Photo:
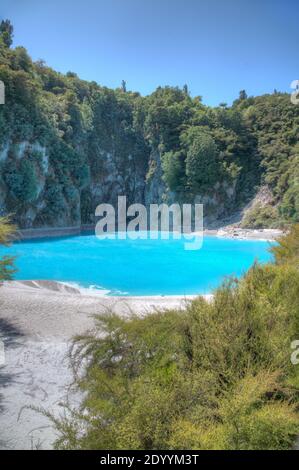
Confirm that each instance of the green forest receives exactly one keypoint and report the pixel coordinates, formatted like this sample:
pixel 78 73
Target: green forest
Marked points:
pixel 67 145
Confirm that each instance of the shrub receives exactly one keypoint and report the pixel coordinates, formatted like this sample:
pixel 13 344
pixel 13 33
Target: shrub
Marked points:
pixel 216 375
pixel 261 217
pixel 6 263
pixel 287 251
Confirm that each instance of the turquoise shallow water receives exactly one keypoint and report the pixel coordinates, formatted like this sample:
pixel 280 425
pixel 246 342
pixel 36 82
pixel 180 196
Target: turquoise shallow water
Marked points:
pixel 137 267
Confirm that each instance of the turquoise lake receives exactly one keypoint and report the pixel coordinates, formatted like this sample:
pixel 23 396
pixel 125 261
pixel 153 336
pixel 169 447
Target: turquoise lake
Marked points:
pixel 137 267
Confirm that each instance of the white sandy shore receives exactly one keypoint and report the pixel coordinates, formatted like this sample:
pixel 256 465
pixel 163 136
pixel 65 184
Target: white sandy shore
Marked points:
pixel 229 231
pixel 246 234
pixel 38 321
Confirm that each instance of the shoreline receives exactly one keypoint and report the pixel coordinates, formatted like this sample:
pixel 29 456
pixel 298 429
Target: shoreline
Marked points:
pixel 38 320
pixel 228 231
pixel 246 234
pixel 73 289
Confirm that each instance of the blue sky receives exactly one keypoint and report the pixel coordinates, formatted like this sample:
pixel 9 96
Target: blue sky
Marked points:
pixel 217 47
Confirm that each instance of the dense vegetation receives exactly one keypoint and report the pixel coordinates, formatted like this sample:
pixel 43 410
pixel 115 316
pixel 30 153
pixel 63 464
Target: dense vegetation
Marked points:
pixel 217 375
pixel 67 145
pixel 6 263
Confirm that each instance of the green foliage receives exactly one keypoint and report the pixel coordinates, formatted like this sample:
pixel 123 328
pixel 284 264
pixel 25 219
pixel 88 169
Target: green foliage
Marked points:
pixel 274 121
pixel 288 249
pixel 7 269
pixel 214 376
pixel 55 202
pixel 21 180
pixel 289 206
pixel 29 181
pixel 201 160
pixel 168 111
pixel 261 217
pixel 6 32
pixel 173 165
pixel 12 178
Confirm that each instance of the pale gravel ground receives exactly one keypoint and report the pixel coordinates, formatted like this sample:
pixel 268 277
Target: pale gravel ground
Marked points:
pixel 37 324
pixel 246 234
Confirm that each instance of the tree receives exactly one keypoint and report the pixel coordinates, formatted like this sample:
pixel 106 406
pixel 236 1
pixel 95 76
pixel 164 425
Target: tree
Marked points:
pixel 173 170
pixel 29 181
pixel 6 32
pixel 55 202
pixel 124 86
pixel 21 180
pixel 201 163
pixel 243 95
pixel 21 59
pixel 186 90
pixel 6 263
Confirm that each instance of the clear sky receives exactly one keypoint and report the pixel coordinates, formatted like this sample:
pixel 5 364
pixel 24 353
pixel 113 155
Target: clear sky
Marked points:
pixel 217 47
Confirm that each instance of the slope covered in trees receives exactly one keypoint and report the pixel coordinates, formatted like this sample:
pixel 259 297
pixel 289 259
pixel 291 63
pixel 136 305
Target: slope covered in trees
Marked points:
pixel 67 145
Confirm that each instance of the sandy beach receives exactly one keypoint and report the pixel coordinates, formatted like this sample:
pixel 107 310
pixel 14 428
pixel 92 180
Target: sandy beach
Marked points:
pixel 38 321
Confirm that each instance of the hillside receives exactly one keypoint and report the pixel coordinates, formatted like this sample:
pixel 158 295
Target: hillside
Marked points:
pixel 67 145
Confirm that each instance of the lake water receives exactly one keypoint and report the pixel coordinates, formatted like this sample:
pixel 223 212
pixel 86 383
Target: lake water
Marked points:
pixel 137 267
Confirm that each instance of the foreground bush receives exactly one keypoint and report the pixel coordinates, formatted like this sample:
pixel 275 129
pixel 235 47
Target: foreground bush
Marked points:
pixel 214 376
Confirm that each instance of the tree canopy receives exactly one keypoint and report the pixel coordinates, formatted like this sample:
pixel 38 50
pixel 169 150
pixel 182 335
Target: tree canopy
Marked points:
pixel 6 32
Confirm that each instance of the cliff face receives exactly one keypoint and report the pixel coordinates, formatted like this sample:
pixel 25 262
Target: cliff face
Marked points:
pixel 115 180
pixel 155 188
pixel 12 157
pixel 141 184
pixel 76 206
pixel 26 170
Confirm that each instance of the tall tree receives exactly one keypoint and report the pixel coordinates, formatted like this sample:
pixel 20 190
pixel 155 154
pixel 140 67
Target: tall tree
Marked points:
pixel 186 90
pixel 6 32
pixel 243 95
